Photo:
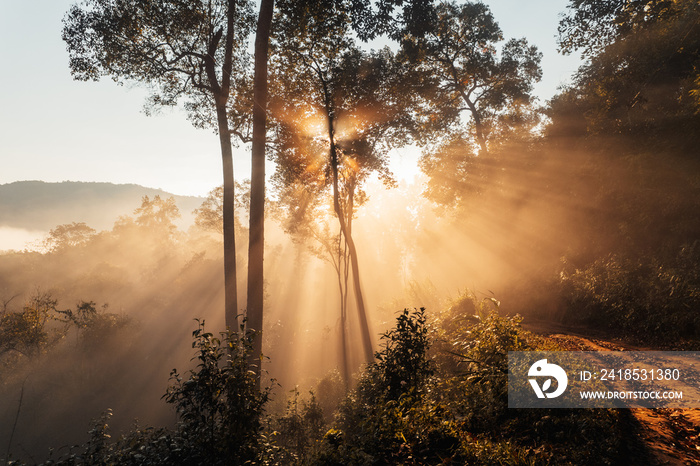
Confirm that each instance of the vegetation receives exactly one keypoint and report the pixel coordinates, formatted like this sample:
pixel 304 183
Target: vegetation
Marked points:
pixel 583 212
pixel 193 51
pixel 411 405
pixel 644 299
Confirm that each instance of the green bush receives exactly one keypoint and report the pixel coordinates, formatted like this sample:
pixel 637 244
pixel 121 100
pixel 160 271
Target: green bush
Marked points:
pixel 219 405
pixel 399 415
pixel 219 410
pixel 646 298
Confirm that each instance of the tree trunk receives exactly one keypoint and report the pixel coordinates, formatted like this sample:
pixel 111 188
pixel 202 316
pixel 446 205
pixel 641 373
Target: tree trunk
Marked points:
pixel 256 245
pixel 354 263
pixel 344 321
pixel 230 278
pixel 342 272
pixel 478 124
pixel 479 128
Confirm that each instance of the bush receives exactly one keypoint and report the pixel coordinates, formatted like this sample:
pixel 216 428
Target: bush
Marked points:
pixel 294 435
pixel 219 405
pixel 644 298
pixel 219 411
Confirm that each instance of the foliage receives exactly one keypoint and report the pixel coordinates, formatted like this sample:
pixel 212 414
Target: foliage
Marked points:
pixel 210 217
pixel 219 404
pixel 219 411
pixel 37 327
pixel 465 73
pixel 396 416
pixel 372 19
pixel 382 421
pixel 157 213
pixel 68 235
pixel 472 348
pixel 26 332
pixel 473 360
pixel 173 47
pixel 295 435
pixel 93 326
pixel 477 113
pixel 591 25
pixel 452 408
pixel 401 366
pixel 644 297
pixel 641 82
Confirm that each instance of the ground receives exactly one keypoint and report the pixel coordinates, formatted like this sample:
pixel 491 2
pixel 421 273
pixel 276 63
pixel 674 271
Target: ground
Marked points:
pixel 656 436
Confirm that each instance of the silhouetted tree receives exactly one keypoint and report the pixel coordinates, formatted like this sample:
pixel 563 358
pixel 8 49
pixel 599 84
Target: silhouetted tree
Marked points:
pixel 256 243
pixel 642 75
pixel 192 50
pixel 592 25
pixel 339 101
pixel 465 72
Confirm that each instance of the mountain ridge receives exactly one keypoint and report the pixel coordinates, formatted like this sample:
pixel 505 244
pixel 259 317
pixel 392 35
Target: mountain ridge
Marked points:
pixel 41 205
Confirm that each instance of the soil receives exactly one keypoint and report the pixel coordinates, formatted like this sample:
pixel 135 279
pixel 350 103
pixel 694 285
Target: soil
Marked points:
pixel 651 436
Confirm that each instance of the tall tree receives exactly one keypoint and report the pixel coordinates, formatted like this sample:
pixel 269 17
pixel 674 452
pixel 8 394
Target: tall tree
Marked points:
pixel 642 76
pixel 347 103
pixel 182 50
pixel 256 242
pixel 468 74
pixel 311 40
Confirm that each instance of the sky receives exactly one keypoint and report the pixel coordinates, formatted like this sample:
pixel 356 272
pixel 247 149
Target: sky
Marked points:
pixel 55 129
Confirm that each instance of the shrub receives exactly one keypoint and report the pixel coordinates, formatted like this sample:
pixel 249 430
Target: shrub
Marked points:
pixel 295 434
pixel 384 421
pixel 645 298
pixel 219 411
pixel 219 405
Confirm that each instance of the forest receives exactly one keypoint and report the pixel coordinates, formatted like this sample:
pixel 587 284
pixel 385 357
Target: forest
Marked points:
pixel 326 313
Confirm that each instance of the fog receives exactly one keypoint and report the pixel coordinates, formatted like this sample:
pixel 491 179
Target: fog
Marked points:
pixel 18 239
pixel 523 216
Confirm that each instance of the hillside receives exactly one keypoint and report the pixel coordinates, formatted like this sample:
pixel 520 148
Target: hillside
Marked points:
pixel 37 205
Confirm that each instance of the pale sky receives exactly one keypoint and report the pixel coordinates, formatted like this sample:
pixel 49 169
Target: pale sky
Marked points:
pixel 55 129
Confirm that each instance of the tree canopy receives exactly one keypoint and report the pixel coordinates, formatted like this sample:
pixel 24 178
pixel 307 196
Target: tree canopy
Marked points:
pixel 191 50
pixel 468 74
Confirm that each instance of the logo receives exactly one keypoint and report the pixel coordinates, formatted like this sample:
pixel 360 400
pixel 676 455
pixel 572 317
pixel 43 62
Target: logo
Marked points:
pixel 543 369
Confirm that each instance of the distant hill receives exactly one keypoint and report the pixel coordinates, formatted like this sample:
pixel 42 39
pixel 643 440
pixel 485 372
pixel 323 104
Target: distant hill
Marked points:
pixel 37 205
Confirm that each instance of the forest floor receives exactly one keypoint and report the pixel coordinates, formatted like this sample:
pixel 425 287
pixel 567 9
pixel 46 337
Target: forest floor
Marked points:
pixel 652 436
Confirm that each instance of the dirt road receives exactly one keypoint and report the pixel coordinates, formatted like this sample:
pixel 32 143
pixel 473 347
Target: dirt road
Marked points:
pixel 653 436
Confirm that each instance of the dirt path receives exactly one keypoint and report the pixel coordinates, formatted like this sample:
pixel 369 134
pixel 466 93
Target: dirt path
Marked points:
pixel 669 436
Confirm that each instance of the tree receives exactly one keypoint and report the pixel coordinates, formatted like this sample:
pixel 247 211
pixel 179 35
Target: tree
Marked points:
pixel 464 72
pixel 192 50
pixel 256 242
pixel 339 111
pixel 592 25
pixel 68 235
pixel 315 35
pixel 642 71
pixel 26 332
pixel 157 214
pixel 209 216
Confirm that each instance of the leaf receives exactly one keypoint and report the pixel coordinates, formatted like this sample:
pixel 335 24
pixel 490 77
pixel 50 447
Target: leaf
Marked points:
pixel 546 385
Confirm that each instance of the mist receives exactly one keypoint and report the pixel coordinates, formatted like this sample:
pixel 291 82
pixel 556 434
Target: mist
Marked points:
pixel 534 213
pixel 578 214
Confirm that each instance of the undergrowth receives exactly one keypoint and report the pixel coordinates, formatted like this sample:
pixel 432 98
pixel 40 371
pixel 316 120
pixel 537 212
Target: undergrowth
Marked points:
pixel 436 393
